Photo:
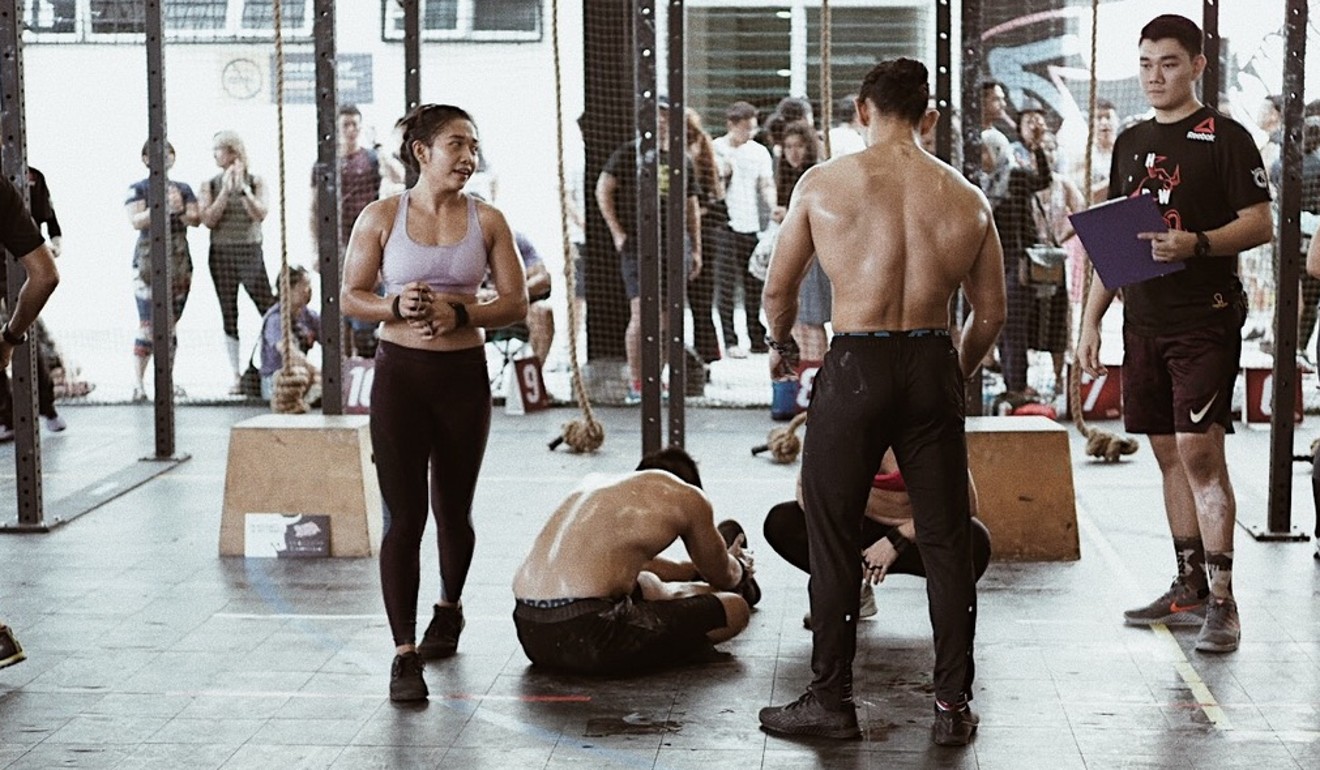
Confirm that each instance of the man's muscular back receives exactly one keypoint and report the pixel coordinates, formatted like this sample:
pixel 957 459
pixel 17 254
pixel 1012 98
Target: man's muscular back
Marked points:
pixel 600 537
pixel 896 231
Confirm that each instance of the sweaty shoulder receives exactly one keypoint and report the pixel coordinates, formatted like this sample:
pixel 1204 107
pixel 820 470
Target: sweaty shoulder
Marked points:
pixel 381 212
pixel 489 216
pixel 661 482
pixel 663 487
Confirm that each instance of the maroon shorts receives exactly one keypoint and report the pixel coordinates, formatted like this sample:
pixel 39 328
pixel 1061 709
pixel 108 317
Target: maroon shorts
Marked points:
pixel 1181 382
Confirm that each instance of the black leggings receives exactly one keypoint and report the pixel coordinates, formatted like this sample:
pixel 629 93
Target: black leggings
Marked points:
pixel 701 290
pixel 732 265
pixel 786 532
pixel 1015 338
pixel 434 407
pixel 906 392
pixel 233 264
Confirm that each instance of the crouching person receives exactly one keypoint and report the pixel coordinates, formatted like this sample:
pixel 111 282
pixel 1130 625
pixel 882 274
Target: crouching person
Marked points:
pixel 594 597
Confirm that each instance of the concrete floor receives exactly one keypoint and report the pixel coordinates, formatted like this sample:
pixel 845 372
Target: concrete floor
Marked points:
pixel 147 650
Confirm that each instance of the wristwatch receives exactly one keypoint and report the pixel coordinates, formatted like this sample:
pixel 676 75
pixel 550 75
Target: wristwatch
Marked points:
pixel 1202 246
pixel 789 351
pixel 460 314
pixel 12 339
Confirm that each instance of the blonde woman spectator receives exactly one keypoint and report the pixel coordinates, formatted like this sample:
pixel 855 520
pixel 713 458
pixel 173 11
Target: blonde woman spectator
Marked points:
pixel 233 205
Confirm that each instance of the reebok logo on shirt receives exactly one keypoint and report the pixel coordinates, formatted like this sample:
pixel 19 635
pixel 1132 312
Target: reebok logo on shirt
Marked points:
pixel 1204 131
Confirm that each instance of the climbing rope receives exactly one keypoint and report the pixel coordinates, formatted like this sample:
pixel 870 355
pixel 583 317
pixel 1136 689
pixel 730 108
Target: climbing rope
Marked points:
pixel 783 443
pixel 291 381
pixel 826 78
pixel 584 434
pixel 1100 444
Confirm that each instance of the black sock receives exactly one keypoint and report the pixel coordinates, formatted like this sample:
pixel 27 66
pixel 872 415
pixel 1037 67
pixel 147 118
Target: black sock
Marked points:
pixel 1190 553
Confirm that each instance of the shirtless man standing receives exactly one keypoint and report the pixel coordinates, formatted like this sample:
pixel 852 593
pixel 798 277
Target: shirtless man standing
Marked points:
pixel 596 603
pixel 897 231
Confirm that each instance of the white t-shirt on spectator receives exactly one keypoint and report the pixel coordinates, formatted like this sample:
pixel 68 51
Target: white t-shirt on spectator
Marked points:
pixel 750 163
pixel 844 140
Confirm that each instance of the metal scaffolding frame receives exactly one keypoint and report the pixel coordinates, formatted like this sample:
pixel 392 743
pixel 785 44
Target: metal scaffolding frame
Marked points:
pixel 13 161
pixel 162 314
pixel 34 515
pixel 328 213
pixel 648 216
pixel 675 236
pixel 1288 266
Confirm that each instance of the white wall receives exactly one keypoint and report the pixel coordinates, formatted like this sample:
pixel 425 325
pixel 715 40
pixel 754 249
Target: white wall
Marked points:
pixel 87 120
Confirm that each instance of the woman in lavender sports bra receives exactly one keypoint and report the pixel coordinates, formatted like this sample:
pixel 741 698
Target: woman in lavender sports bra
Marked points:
pixel 431 246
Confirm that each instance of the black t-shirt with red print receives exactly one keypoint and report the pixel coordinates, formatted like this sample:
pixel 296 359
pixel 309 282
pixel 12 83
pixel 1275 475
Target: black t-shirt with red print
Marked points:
pixel 1202 170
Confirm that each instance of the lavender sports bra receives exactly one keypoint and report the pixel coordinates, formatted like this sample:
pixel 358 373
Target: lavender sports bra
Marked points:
pixel 454 269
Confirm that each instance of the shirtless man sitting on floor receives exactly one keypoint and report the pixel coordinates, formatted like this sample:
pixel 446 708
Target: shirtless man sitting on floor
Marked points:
pixel 594 597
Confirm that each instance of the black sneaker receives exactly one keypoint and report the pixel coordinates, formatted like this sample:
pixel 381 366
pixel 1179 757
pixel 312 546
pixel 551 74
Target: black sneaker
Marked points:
pixel 441 637
pixel 747 586
pixel 406 682
pixel 1222 629
pixel 954 727
pixel 11 651
pixel 806 716
pixel 1181 605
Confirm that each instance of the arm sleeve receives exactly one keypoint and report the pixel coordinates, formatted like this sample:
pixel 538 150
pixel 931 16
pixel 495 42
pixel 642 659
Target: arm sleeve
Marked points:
pixel 1242 171
pixel 136 193
pixel 53 225
pixel 270 343
pixel 1115 181
pixel 616 160
pixel 17 230
pixel 186 191
pixel 767 163
pixel 41 208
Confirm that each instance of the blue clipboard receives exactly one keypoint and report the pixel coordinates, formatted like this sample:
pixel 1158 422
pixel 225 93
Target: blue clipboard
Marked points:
pixel 1109 233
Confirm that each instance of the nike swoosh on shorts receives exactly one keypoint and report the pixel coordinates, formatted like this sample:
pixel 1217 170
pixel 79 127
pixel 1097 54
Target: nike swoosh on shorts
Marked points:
pixel 1197 416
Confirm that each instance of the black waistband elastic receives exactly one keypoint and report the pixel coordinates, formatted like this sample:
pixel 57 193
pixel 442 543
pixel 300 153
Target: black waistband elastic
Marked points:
pixel 546 604
pixel 527 610
pixel 387 349
pixel 900 333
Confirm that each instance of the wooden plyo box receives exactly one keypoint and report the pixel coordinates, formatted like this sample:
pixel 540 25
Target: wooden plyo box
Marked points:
pixel 304 464
pixel 1022 467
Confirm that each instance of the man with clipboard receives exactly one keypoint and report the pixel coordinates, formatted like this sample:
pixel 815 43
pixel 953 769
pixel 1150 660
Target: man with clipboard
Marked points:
pixel 1182 331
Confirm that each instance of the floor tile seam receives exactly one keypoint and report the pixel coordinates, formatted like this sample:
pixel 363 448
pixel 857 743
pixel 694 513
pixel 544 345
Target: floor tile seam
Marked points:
pixel 234 749
pixel 560 744
pixel 267 746
pixel 25 752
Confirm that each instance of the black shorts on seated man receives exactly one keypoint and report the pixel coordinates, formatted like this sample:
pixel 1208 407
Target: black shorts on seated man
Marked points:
pixel 596 604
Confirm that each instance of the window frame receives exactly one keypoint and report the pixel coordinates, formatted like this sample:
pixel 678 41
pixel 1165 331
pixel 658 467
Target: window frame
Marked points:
pixel 297 30
pixel 391 12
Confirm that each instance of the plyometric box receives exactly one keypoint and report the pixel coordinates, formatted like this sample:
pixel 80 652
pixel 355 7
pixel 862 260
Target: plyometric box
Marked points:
pixel 1024 484
pixel 303 464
